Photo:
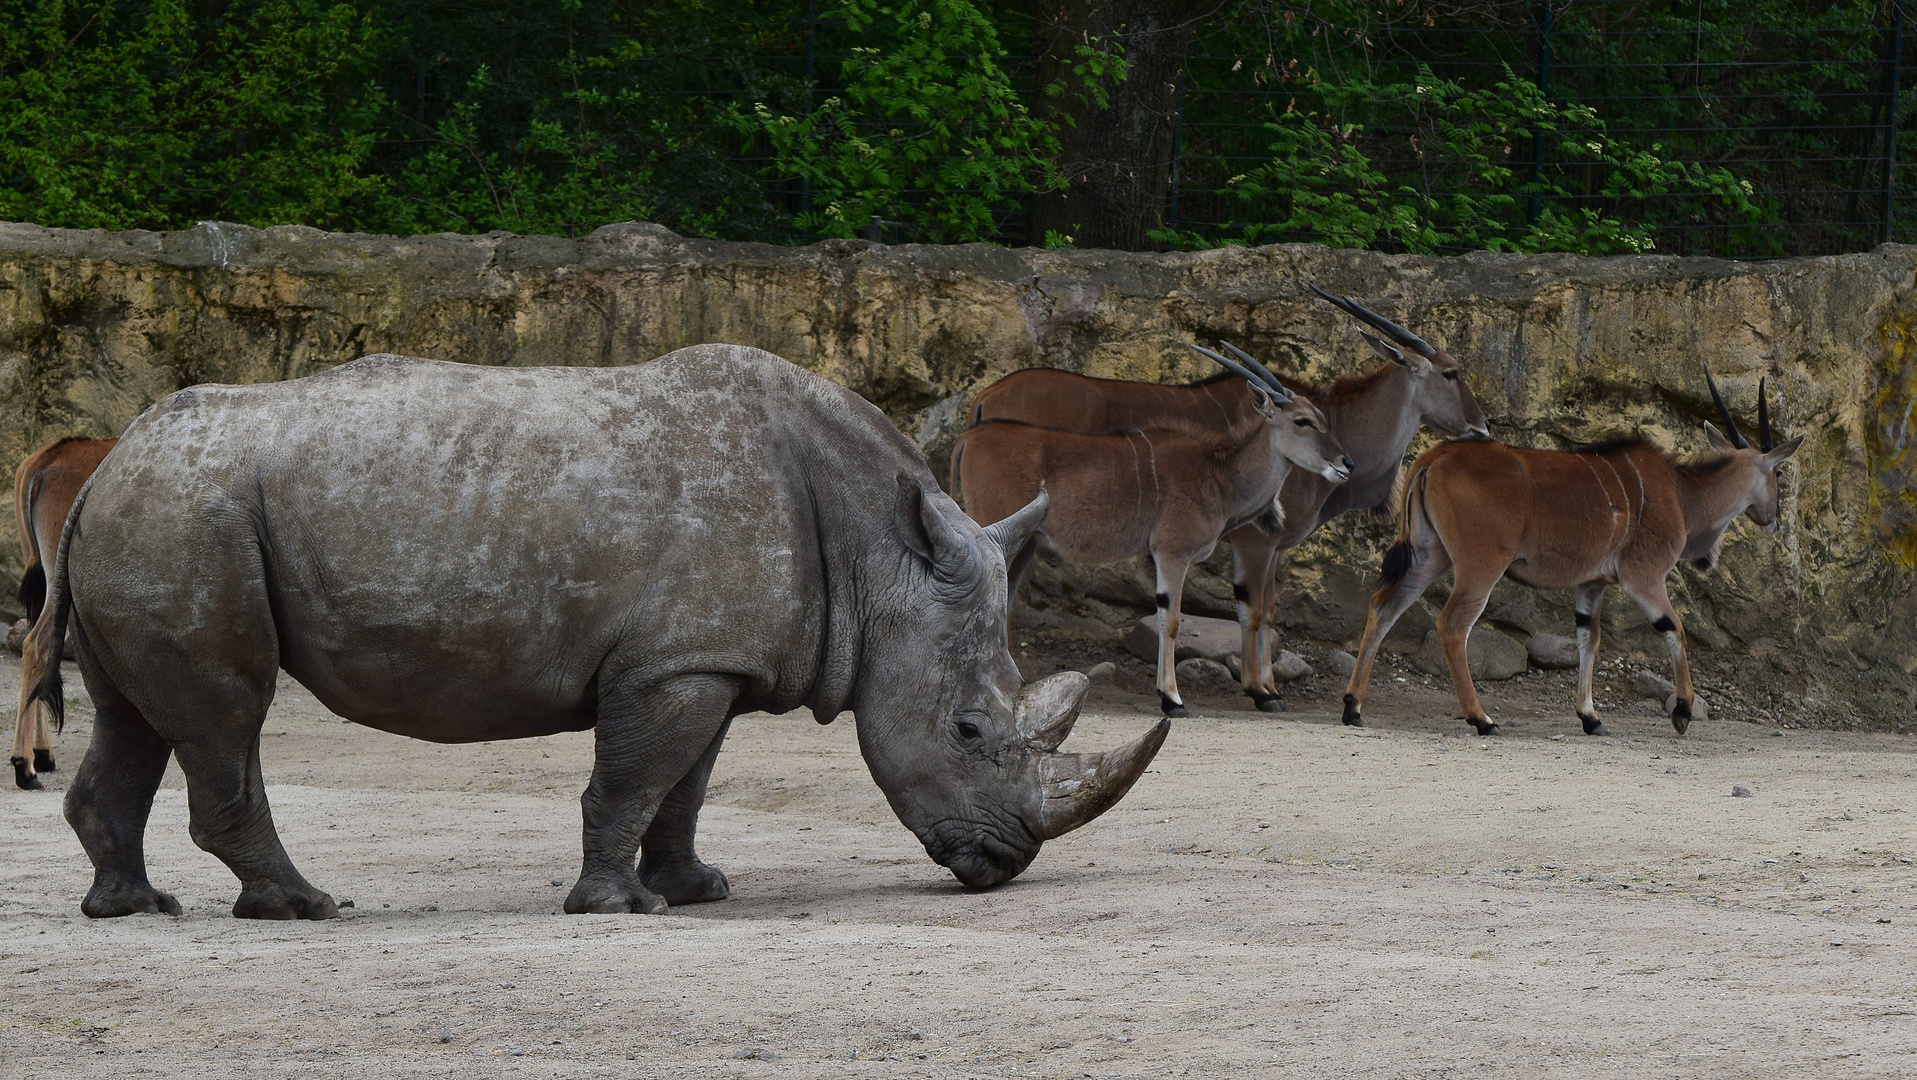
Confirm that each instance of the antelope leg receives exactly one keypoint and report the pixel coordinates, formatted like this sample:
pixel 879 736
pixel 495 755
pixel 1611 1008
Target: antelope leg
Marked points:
pixel 1590 603
pixel 1460 613
pixel 1254 560
pixel 30 721
pixel 1392 599
pixel 1651 597
pixel 1171 589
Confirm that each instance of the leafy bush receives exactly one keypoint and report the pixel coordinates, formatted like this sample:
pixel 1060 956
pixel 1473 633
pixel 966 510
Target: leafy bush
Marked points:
pixel 1470 191
pixel 928 130
pixel 116 115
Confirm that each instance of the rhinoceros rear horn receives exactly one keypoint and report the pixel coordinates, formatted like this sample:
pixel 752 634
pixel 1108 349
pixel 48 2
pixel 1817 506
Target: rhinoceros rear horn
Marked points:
pixel 1047 709
pixel 927 528
pixel 1011 533
pixel 1079 787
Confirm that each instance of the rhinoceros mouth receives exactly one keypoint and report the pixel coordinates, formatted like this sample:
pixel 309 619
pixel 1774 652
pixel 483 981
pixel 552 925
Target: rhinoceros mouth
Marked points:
pixel 981 854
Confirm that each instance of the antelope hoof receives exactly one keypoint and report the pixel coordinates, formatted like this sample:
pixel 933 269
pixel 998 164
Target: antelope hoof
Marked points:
pixel 1485 727
pixel 1173 709
pixel 1681 717
pixel 1267 702
pixel 23 775
pixel 43 761
pixel 1593 726
pixel 1352 719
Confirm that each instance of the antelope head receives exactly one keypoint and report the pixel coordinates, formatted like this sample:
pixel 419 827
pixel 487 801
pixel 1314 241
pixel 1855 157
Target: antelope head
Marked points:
pixel 1439 391
pixel 1743 474
pixel 1297 429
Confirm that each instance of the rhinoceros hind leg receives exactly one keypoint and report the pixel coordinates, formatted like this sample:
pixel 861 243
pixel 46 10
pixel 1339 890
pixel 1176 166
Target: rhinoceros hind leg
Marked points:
pixel 228 815
pixel 668 865
pixel 108 804
pixel 114 901
pixel 649 742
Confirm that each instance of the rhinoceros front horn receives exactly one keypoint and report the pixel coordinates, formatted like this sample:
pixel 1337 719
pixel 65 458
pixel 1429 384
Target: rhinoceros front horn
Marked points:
pixel 1079 787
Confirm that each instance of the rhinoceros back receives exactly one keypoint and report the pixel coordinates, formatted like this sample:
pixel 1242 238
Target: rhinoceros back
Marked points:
pixel 455 552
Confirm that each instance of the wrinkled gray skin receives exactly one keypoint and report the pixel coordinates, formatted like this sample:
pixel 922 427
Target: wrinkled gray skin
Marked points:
pixel 462 553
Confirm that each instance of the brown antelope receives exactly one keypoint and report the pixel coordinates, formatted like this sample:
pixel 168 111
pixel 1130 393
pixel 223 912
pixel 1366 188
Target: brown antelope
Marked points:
pixel 1170 492
pixel 1621 512
pixel 43 490
pixel 1373 414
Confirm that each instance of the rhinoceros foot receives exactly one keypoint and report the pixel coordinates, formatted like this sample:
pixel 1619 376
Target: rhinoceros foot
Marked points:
pixel 681 883
pixel 608 894
pixel 276 901
pixel 113 901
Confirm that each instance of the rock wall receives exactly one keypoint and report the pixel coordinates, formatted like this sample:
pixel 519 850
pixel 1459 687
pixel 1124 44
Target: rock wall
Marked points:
pixel 95 325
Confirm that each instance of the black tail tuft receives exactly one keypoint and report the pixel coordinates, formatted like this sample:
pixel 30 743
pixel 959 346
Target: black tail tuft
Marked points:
pixel 51 692
pixel 33 591
pixel 1397 561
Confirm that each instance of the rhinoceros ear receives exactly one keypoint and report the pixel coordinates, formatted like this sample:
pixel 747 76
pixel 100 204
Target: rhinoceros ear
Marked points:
pixel 927 527
pixel 1011 533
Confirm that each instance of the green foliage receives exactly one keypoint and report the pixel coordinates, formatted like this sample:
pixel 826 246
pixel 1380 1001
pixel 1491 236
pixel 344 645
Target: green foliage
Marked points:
pixel 552 179
pixel 928 129
pixel 1369 124
pixel 115 115
pixel 1467 190
pixel 1785 94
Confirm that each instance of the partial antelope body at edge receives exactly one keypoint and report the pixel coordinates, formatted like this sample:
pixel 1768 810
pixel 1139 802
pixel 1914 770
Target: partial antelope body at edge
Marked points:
pixel 1620 512
pixel 1373 414
pixel 1169 491
pixel 43 491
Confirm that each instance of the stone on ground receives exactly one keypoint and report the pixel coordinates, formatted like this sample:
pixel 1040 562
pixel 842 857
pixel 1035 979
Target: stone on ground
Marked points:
pixel 1492 655
pixel 1288 666
pixel 1342 663
pixel 1552 651
pixel 1201 676
pixel 1649 684
pixel 1211 639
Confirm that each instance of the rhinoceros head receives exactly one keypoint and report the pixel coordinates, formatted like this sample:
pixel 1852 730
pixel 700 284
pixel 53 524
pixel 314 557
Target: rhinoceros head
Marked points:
pixel 966 755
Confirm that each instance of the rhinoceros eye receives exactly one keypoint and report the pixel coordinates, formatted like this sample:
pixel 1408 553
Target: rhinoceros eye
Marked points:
pixel 967 730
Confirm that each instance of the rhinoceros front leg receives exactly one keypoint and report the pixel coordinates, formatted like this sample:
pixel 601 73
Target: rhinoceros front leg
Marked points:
pixel 668 865
pixel 648 739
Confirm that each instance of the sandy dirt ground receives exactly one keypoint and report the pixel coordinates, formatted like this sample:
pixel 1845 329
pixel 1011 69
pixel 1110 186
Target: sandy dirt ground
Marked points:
pixel 1279 896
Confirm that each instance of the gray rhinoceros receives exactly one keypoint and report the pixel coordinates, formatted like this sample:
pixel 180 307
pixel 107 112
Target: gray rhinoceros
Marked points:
pixel 461 553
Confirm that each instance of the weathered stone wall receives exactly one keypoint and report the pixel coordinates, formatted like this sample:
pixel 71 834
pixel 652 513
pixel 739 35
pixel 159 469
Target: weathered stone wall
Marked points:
pixel 94 326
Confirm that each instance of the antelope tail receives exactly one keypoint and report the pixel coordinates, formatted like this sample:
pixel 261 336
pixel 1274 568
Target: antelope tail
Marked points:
pixel 45 641
pixel 33 583
pixel 1397 558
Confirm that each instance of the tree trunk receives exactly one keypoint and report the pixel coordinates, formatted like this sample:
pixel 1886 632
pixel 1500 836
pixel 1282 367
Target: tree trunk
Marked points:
pixel 1117 159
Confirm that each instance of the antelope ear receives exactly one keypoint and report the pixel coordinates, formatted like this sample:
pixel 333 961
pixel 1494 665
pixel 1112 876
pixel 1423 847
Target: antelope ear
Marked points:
pixel 1396 355
pixel 1261 400
pixel 1718 442
pixel 1776 457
